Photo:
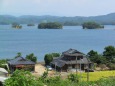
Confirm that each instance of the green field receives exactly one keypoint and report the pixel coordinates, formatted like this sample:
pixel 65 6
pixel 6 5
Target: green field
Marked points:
pixel 94 76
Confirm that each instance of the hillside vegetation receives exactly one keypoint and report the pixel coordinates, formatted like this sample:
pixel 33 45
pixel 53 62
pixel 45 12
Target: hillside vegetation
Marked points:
pixel 25 78
pixel 77 20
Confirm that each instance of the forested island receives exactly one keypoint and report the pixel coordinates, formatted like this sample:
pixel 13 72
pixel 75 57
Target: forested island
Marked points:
pixel 15 25
pixel 30 24
pixel 91 25
pixel 50 25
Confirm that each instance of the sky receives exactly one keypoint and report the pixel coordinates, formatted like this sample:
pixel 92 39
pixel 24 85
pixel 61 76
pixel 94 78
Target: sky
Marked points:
pixel 57 7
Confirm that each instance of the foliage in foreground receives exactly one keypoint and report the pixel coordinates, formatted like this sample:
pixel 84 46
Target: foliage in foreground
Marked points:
pixel 22 78
pixel 25 78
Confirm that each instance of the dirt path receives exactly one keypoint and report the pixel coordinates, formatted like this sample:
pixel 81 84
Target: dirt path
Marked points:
pixel 39 69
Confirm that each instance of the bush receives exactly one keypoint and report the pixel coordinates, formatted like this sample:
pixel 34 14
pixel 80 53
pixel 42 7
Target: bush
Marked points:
pixel 2 62
pixel 73 78
pixel 111 66
pixel 22 78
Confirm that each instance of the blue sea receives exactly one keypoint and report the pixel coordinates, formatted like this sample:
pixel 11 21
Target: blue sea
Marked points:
pixel 42 41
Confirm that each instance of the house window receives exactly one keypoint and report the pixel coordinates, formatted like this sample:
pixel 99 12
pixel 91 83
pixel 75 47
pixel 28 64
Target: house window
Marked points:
pixel 79 57
pixel 73 66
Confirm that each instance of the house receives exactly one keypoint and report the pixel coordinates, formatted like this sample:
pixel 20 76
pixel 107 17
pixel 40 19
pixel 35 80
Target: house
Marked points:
pixel 71 60
pixel 21 63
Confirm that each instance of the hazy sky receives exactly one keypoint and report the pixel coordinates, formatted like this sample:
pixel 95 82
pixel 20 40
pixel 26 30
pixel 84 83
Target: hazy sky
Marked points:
pixel 57 7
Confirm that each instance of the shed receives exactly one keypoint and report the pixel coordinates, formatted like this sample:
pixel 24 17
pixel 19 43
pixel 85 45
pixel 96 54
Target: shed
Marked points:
pixel 21 63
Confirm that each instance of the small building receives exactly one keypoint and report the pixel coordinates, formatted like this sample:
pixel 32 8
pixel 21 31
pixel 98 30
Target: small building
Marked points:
pixel 71 60
pixel 3 72
pixel 3 75
pixel 21 63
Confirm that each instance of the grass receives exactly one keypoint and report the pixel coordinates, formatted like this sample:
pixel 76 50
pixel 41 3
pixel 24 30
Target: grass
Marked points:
pixel 94 76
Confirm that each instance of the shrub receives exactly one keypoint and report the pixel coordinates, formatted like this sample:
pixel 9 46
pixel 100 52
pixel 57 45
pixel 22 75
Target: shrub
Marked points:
pixel 73 78
pixel 22 78
pixel 111 66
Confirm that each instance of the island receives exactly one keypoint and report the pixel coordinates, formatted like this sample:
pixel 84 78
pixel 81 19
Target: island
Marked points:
pixel 30 25
pixel 15 25
pixel 91 25
pixel 50 25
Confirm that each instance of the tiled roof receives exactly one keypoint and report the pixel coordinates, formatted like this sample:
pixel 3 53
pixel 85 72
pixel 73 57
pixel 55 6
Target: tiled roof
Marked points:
pixel 72 52
pixel 20 60
pixel 58 62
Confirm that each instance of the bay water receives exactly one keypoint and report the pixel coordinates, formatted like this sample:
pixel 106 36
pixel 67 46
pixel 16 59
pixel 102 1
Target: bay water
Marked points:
pixel 42 41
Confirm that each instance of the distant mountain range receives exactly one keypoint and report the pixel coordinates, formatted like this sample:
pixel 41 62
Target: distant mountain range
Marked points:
pixel 27 19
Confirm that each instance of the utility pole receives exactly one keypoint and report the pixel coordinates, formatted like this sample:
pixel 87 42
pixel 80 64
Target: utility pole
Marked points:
pixel 76 64
pixel 55 66
pixel 87 69
pixel 80 69
pixel 88 73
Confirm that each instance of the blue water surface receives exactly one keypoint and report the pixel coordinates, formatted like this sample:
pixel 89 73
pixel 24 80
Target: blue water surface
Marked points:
pixel 41 41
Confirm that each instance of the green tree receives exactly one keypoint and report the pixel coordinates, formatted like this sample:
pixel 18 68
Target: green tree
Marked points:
pixel 55 55
pixel 22 78
pixel 73 77
pixel 96 58
pixel 48 58
pixel 109 53
pixel 31 57
pixel 99 59
pixel 18 55
pixel 92 55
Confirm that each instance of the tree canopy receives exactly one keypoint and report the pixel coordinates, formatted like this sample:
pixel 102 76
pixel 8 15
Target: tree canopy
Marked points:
pixel 95 57
pixel 50 25
pixel 31 57
pixel 107 58
pixel 92 55
pixel 109 52
pixel 18 55
pixel 49 57
pixel 91 25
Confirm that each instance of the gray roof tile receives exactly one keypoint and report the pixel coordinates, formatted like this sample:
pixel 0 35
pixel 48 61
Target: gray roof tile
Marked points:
pixel 20 60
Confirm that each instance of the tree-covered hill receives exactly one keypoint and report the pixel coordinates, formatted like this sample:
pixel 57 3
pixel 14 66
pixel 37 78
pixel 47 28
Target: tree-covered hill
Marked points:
pixel 102 19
